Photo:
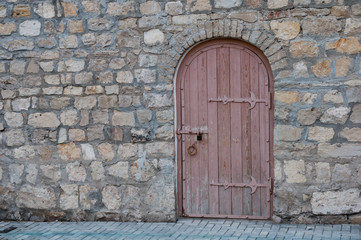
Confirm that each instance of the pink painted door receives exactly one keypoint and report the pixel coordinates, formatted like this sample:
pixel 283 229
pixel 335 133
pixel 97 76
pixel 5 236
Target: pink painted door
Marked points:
pixel 224 129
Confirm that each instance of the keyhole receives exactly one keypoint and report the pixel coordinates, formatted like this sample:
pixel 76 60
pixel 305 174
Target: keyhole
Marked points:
pixel 199 137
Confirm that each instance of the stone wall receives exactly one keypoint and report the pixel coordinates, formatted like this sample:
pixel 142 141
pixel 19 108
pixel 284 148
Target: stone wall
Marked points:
pixel 87 104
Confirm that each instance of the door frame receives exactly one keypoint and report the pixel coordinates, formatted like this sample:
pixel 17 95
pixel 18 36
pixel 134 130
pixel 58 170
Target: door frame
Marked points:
pixel 177 113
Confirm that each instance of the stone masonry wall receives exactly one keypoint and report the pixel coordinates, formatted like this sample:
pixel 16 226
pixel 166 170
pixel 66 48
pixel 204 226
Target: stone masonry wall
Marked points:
pixel 87 104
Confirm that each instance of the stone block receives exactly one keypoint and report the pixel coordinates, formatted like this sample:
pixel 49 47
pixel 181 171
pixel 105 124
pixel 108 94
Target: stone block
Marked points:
pixel 341 173
pixel 336 115
pixel 36 197
pixel 68 151
pixel 336 202
pixel 76 26
pixel 44 120
pixel 7 28
pixel 73 65
pixel 351 134
pixel 287 97
pixel 353 95
pixel 127 151
pixel 17 67
pixel 85 102
pixel 88 197
pixel 349 45
pixel 111 197
pixel 356 9
pixel 24 153
pixel 98 24
pixel 124 77
pixel 153 37
pixel 97 171
pixel 174 8
pixel 117 63
pixel 52 79
pixel 14 119
pixel 76 135
pixel 345 150
pixel 295 171
pixel 340 11
pixel 287 133
pixel 72 90
pixel 88 151
pixel 308 116
pixel 31 173
pixel 247 16
pixel 18 45
pixel 333 96
pixel 342 66
pixel 76 172
pixel 300 69
pixel 30 28
pixel 45 10
pixel 70 9
pixel 117 9
pixel 160 149
pixel 21 104
pixel 94 90
pixel 95 132
pixel 59 103
pixel 116 134
pixel 165 132
pixel 300 49
pixel 322 68
pixel 274 4
pixel 100 116
pixel 157 100
pixel 123 118
pixel 353 26
pixel 51 172
pixel 119 170
pixel 323 173
pixel 91 6
pixel 106 151
pixel 320 134
pixel 227 3
pixel 356 114
pixel 21 11
pixel 188 19
pixel 15 172
pixel 324 26
pixel 69 196
pixel 149 8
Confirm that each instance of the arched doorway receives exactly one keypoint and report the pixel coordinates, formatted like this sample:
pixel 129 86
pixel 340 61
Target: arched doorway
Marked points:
pixel 225 131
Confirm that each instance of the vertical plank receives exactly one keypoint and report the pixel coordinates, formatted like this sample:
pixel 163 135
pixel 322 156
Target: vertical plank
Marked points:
pixel 264 146
pixel 202 121
pixel 224 162
pixel 194 160
pixel 236 144
pixel 255 137
pixel 245 121
pixel 212 131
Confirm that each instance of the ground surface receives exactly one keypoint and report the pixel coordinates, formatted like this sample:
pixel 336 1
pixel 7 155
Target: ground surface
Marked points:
pixel 183 229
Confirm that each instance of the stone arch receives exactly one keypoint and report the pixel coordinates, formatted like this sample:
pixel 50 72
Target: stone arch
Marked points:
pixel 202 30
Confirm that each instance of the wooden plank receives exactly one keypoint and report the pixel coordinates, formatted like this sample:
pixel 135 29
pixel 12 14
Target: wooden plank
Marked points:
pixel 212 131
pixel 193 111
pixel 255 136
pixel 245 121
pixel 202 144
pixel 236 144
pixel 224 162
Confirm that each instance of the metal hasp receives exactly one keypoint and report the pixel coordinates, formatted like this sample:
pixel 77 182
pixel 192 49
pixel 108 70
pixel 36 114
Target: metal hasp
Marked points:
pixel 252 100
pixel 253 184
pixel 194 131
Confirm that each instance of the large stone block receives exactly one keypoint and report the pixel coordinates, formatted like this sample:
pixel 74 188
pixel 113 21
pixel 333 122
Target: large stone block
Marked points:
pixel 14 137
pixel 295 171
pixel 356 114
pixel 353 26
pixel 36 197
pixel 308 116
pixel 301 49
pixel 14 119
pixel 127 151
pixel 324 26
pixel 336 115
pixel 320 134
pixel 111 197
pixel 76 172
pixel 119 170
pixel 349 45
pixel 97 171
pixel 106 151
pixel 30 28
pixel 44 120
pixel 69 151
pixel 7 28
pixel 69 196
pixel 345 150
pixel 153 37
pixel 285 30
pixel 351 134
pixel 274 4
pixel 336 202
pixel 287 133
pixel 123 118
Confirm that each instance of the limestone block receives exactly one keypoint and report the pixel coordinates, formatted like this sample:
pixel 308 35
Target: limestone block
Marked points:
pixel 188 19
pixel 124 77
pixel 97 171
pixel 356 9
pixel 95 132
pixel 302 49
pixel 105 101
pixel 336 115
pixel 123 118
pixel 100 116
pixel 342 66
pixel 91 6
pixel 351 134
pixel 47 66
pixel 174 8
pixel 153 37
pixel 111 197
pixel 322 68
pixel 227 3
pixel 165 132
pixel 18 45
pixel 73 65
pixel 295 171
pixel 116 9
pixel 112 89
pixel 21 104
pixel 17 67
pixel 287 133
pixel 76 135
pixel 160 149
pixel 144 116
pixel 76 26
pixel 51 172
pixel 341 173
pixel 2 11
pixel 70 9
pixel 44 120
pixel 117 63
pixel 36 197
pixel 69 196
pixel 323 173
pixel 149 8
pixel 72 90
pixel 353 95
pixel 340 11
pixel 157 100
pixel 356 114
pixel 127 151
pixel 16 172
pixel 141 170
pixel 344 150
pixel 98 24
pixel 84 78
pixel 14 119
pixel 165 116
pixel 324 26
pixel 87 196
pixel 119 170
pixel 308 116
pixel 336 202
pixel 68 151
pixel 45 10
pixel 85 102
pixel 21 11
pixel 8 94
pixel 70 41
pixel 106 151
pixel 353 26
pixel 30 28
pixel 76 172
pixel 145 75
pixel 88 39
pixel 320 134
pixel 52 79
pixel 287 97
pixel 349 45
pixel 7 28
pixel 49 55
pixel 14 137
pixel 88 151
pixel 116 134
pixel 247 16
pixel 274 4
pixel 300 69
pixel 333 96
pixel 31 173
pixel 24 153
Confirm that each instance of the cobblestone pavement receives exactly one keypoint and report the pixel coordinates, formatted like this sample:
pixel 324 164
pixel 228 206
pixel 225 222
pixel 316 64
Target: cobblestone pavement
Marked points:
pixel 183 229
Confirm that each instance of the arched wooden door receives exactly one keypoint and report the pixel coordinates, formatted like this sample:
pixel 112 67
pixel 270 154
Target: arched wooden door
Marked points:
pixel 225 132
